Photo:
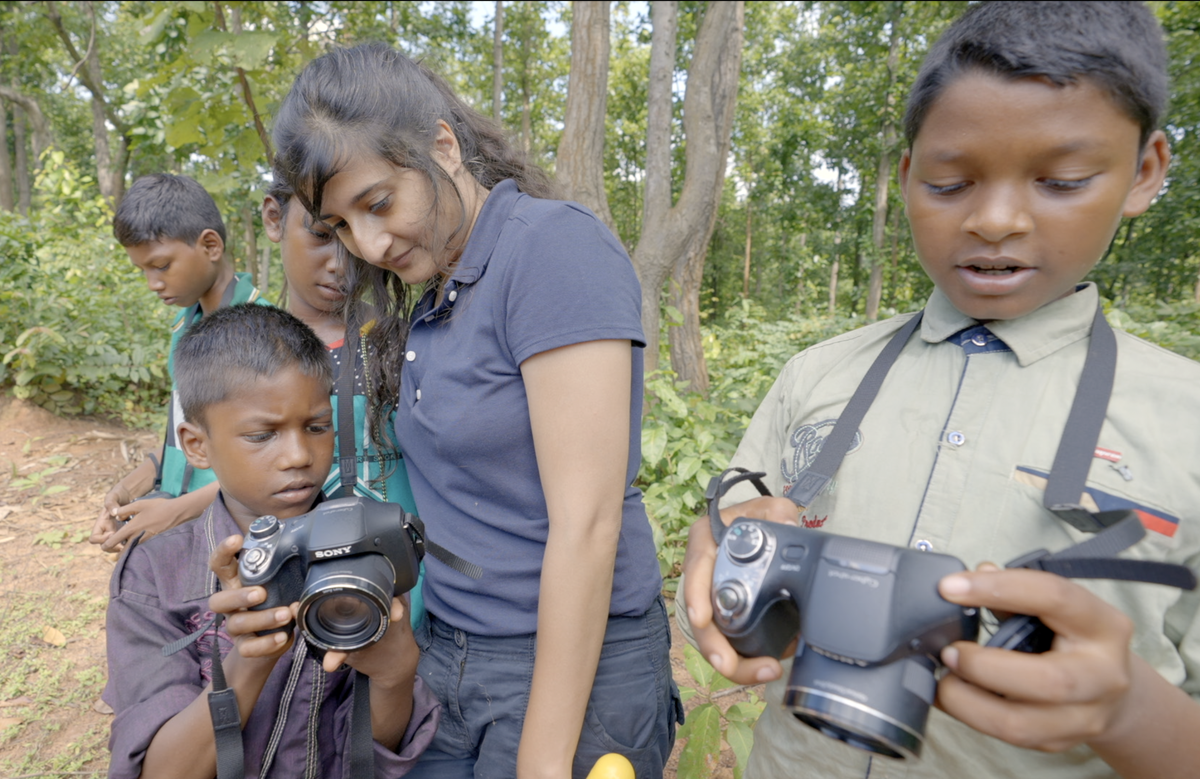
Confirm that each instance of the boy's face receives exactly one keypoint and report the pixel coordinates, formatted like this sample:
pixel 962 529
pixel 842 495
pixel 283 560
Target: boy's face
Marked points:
pixel 309 254
pixel 177 272
pixel 1014 189
pixel 270 445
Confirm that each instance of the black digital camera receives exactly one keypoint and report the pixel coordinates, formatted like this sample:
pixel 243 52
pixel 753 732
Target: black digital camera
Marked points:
pixel 343 561
pixel 869 616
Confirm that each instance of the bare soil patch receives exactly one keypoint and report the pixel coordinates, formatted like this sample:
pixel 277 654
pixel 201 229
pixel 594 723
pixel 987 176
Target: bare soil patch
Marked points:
pixel 54 473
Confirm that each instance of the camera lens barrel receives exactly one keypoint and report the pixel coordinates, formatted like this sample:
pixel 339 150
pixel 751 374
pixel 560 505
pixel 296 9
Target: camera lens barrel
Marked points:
pixel 347 602
pixel 882 709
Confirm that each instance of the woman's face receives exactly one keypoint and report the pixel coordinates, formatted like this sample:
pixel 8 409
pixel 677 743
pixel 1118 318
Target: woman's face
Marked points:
pixel 385 214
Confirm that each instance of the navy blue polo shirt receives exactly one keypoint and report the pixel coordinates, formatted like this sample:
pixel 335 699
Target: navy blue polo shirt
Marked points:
pixel 535 275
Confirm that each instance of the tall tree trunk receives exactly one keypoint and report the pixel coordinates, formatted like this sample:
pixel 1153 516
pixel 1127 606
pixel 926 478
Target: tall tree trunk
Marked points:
pixel 800 274
pixel 894 275
pixel 883 175
pixel 746 262
pixel 21 162
pixel 674 239
pixel 579 165
pixel 264 268
pixel 498 61
pixel 6 173
pixel 235 17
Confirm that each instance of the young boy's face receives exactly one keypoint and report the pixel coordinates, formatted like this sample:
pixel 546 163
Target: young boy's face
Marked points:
pixel 1014 189
pixel 309 255
pixel 270 445
pixel 177 272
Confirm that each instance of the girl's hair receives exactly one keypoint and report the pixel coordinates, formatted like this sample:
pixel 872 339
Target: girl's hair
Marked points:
pixel 373 100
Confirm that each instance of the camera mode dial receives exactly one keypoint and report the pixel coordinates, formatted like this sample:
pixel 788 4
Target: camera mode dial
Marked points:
pixel 745 542
pixel 264 527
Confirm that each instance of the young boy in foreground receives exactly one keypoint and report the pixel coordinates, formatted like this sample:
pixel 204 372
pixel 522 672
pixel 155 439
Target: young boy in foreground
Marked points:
pixel 1032 132
pixel 254 386
pixel 173 233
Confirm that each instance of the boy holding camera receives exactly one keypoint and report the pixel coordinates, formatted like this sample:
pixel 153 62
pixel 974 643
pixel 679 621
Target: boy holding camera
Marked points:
pixel 173 232
pixel 1032 130
pixel 254 387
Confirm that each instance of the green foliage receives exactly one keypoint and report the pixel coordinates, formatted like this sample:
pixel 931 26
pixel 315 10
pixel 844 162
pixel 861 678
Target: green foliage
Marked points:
pixel 707 725
pixel 1171 326
pixel 79 331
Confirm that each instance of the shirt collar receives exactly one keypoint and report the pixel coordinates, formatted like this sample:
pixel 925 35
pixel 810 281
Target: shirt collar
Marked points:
pixel 484 236
pixel 1031 337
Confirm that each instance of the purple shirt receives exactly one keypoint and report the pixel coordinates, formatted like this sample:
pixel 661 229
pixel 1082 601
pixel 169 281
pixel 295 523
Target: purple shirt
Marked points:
pixel 159 594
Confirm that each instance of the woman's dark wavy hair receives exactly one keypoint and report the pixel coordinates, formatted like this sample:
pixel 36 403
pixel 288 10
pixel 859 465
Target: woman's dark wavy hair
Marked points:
pixel 371 99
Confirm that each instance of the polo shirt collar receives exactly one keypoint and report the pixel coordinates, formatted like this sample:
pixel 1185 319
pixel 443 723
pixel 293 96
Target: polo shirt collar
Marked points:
pixel 1036 335
pixel 478 251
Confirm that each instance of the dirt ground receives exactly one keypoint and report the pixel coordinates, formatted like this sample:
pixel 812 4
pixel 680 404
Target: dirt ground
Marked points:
pixel 53 591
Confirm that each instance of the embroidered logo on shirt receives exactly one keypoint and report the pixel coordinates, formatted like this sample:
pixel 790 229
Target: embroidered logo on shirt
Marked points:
pixel 806 442
pixel 1097 500
pixel 814 521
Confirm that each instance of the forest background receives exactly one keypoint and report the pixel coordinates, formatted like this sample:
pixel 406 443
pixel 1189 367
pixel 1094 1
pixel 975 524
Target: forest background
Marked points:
pixel 745 154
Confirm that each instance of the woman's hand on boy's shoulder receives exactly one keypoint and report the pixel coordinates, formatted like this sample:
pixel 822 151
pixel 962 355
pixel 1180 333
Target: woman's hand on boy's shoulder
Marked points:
pixel 235 602
pixel 698 565
pixel 1089 688
pixel 389 662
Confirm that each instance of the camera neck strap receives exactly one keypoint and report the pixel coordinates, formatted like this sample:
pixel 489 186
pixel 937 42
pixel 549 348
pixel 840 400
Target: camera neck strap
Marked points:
pixel 1076 448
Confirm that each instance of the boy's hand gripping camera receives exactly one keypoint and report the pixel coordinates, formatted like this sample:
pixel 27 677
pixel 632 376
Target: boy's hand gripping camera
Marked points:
pixel 869 617
pixel 343 561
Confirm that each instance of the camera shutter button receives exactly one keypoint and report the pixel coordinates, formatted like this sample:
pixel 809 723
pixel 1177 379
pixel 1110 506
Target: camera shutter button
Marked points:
pixel 731 598
pixel 745 542
pixel 264 527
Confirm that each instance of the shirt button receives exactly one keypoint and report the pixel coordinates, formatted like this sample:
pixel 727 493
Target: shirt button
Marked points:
pixel 956 438
pixel 418 394
pixel 453 294
pixel 923 545
pixel 979 340
pixel 410 355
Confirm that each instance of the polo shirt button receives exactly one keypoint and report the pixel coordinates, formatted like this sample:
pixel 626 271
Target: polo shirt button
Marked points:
pixel 410 355
pixel 923 545
pixel 956 438
pixel 979 340
pixel 453 294
pixel 418 394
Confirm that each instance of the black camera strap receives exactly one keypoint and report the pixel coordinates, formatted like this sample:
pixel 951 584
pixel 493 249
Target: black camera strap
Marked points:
pixel 1068 475
pixel 721 484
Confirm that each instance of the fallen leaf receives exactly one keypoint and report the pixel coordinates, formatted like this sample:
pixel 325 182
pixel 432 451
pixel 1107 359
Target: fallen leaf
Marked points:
pixel 102 707
pixel 54 637
pixel 8 722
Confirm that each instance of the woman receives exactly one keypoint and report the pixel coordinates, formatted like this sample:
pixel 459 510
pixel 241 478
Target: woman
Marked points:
pixel 519 411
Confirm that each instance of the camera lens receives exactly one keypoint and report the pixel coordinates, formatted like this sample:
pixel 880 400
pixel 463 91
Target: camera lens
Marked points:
pixel 342 614
pixel 346 602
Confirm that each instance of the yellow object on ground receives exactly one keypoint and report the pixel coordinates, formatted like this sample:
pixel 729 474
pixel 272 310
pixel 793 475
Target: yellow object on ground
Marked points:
pixel 612 766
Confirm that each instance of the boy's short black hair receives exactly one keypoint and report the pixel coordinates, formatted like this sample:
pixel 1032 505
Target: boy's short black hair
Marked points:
pixel 163 206
pixel 234 346
pixel 1118 46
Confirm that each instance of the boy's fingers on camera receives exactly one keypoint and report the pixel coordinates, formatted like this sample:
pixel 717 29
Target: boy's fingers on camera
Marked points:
pixel 698 562
pixel 727 662
pixel 767 508
pixel 223 562
pixel 1040 726
pixel 1064 606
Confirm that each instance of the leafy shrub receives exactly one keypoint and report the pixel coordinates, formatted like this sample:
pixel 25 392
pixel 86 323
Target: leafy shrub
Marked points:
pixel 79 330
pixel 1174 326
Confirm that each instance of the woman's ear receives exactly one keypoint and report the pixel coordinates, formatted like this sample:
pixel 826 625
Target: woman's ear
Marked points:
pixel 193 440
pixel 272 216
pixel 446 149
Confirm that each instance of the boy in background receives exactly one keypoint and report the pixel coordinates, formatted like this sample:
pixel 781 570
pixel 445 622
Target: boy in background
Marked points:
pixel 173 233
pixel 254 386
pixel 1032 131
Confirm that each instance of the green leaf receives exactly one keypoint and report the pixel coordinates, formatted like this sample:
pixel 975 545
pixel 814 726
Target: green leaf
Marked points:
pixel 744 712
pixel 686 694
pixel 700 755
pixel 250 49
pixel 740 737
pixel 654 443
pixel 54 490
pixel 698 667
pixel 182 133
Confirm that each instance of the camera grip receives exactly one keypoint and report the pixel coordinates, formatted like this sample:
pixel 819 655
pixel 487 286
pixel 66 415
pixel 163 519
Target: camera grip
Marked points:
pixel 771 633
pixel 283 590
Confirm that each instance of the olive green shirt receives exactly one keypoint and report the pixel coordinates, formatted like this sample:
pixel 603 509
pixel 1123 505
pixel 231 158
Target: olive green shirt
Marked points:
pixel 952 457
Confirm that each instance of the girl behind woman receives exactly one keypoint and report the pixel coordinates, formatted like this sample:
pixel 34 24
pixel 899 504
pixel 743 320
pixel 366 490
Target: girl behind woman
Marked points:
pixel 514 321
